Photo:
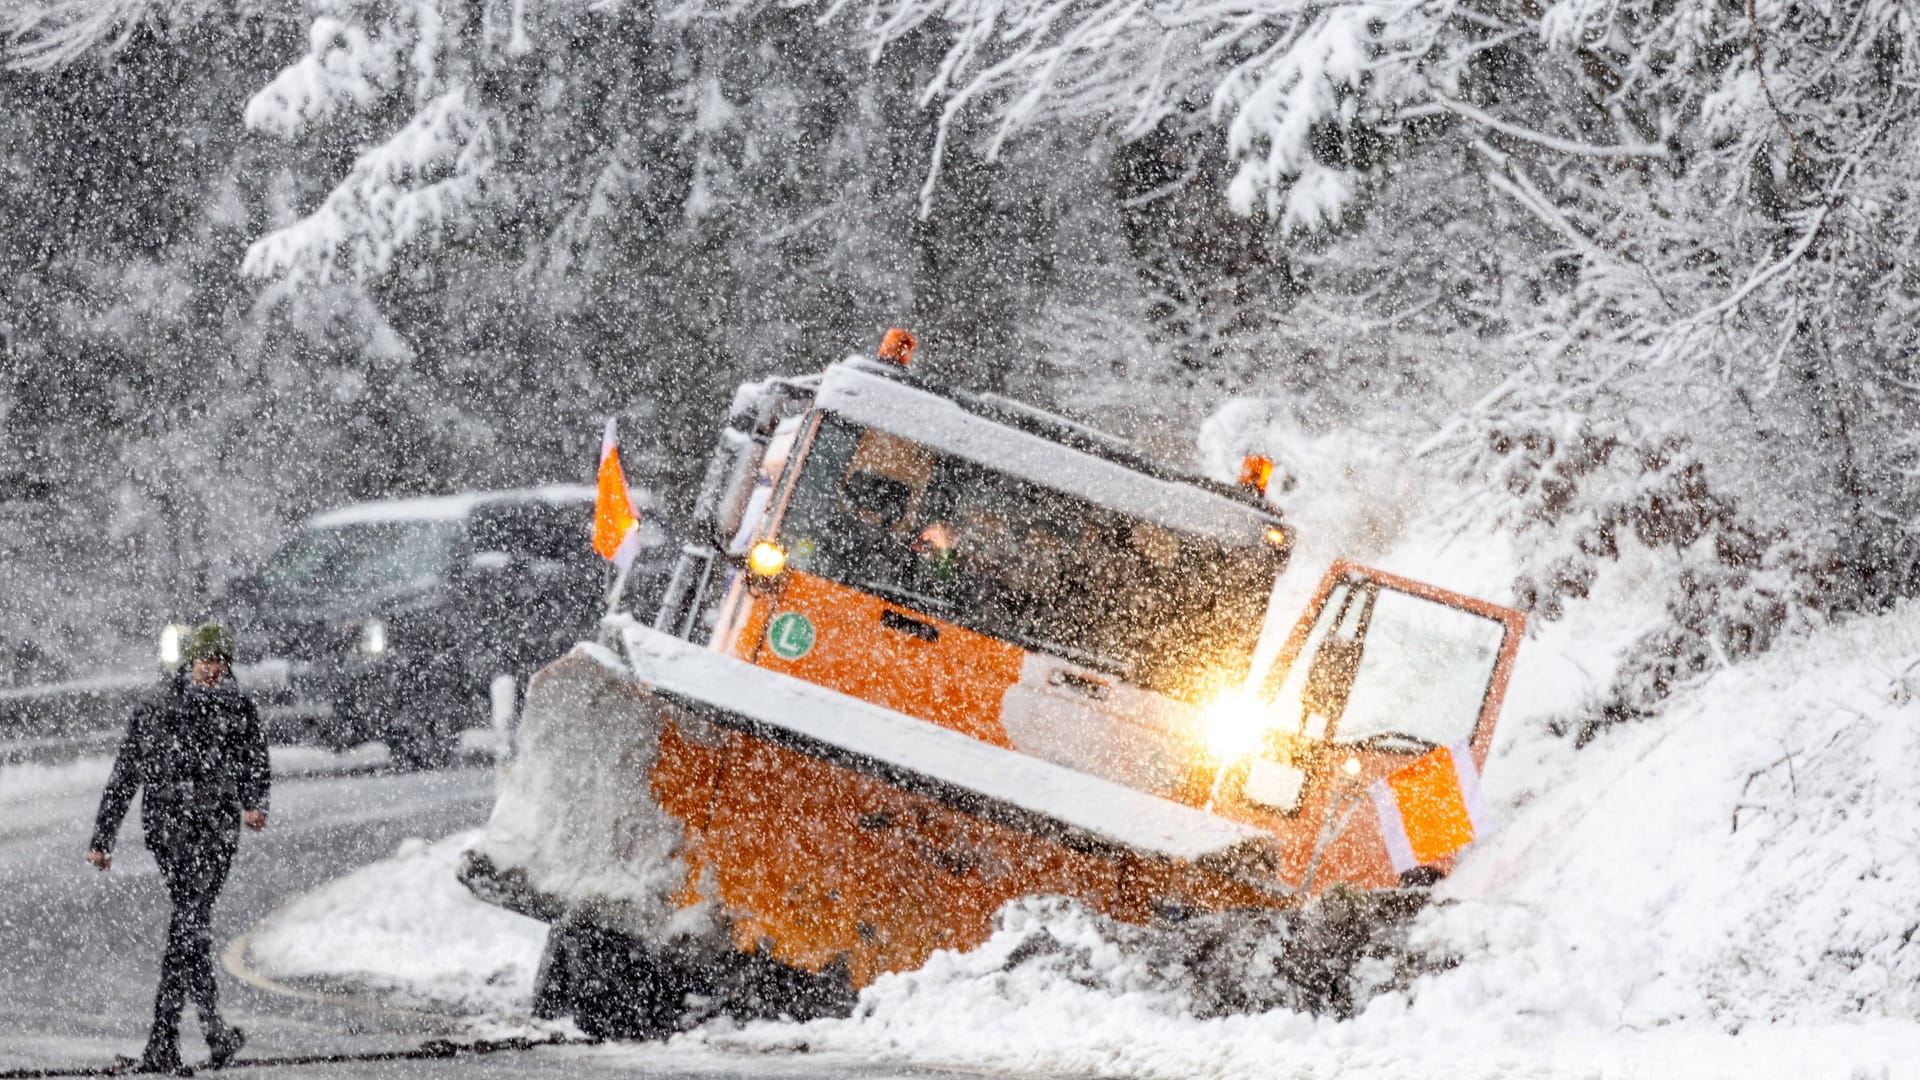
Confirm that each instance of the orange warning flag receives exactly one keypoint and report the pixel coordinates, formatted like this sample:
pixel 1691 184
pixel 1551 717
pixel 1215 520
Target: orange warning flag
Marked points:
pixel 616 528
pixel 1431 808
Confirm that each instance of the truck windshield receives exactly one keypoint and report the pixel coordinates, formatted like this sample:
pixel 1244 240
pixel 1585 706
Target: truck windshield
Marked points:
pixel 1168 611
pixel 362 559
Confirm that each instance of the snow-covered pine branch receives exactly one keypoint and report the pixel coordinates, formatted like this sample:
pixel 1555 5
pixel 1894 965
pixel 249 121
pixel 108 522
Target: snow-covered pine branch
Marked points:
pixel 45 35
pixel 42 36
pixel 422 182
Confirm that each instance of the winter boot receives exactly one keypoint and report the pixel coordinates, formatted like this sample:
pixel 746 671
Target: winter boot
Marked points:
pixel 161 1057
pixel 224 1041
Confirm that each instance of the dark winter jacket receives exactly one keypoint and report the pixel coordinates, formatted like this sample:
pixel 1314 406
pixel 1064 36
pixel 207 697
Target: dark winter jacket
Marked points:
pixel 201 758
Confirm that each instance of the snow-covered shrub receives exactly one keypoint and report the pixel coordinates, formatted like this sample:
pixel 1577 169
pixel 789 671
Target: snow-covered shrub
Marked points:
pixel 1577 490
pixel 1328 956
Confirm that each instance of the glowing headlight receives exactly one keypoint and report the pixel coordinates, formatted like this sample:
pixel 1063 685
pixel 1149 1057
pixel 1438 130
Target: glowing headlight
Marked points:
pixel 373 638
pixel 766 559
pixel 171 636
pixel 1237 721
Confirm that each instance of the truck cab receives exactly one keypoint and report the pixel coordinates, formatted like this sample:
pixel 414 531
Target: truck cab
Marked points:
pixel 1038 586
pixel 1069 602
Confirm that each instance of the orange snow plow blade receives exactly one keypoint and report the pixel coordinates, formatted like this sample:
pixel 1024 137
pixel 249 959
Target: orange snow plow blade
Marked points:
pixel 827 831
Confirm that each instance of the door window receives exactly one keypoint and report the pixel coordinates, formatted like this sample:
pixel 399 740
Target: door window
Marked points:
pixel 1391 670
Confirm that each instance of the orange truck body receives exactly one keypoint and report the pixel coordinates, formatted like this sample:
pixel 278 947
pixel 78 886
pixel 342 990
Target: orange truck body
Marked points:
pixel 822 864
pixel 833 859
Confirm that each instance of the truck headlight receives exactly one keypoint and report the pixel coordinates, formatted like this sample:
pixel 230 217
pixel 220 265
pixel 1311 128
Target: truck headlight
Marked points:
pixel 1237 722
pixel 171 637
pixel 373 638
pixel 766 559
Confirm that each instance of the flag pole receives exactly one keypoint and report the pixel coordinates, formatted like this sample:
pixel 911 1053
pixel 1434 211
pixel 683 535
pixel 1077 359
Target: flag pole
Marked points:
pixel 618 587
pixel 614 519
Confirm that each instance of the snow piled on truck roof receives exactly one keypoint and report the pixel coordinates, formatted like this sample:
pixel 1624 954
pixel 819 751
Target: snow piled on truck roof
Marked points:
pixel 876 401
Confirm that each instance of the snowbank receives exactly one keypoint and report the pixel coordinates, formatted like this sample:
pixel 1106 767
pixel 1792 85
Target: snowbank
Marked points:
pixel 406 928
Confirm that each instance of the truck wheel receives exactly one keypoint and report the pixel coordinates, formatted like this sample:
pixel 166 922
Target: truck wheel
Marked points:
pixel 613 986
pixel 552 989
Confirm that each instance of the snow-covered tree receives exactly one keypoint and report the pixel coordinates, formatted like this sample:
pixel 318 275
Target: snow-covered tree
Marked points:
pixel 1675 230
pixel 1601 259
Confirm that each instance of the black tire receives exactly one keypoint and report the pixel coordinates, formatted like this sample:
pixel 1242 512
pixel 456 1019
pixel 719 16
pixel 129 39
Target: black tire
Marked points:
pixel 422 724
pixel 613 986
pixel 417 744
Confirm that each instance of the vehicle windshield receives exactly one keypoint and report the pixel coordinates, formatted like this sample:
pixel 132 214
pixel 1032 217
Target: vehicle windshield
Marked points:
pixel 362 559
pixel 1169 611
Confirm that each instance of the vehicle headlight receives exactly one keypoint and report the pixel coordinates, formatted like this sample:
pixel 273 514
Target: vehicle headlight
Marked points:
pixel 172 636
pixel 373 638
pixel 766 559
pixel 1237 722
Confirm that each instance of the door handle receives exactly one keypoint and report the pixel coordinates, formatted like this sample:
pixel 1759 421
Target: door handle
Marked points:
pixel 919 628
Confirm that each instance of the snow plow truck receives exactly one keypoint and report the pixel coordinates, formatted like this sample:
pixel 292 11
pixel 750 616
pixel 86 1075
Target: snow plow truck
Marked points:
pixel 929 651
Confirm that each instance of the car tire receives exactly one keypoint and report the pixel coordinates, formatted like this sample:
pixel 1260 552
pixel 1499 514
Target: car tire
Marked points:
pixel 431 706
pixel 418 743
pixel 423 728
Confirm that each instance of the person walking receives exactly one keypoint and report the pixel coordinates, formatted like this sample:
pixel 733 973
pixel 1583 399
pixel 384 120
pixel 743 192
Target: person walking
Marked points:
pixel 198 752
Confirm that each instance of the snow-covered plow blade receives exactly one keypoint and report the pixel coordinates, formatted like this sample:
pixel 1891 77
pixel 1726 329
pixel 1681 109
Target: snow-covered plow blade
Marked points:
pixel 697 804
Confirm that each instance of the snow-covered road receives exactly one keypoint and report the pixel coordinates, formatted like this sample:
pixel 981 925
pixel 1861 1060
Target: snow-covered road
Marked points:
pixel 79 951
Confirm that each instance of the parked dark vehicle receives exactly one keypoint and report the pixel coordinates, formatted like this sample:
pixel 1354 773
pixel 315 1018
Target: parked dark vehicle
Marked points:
pixel 390 620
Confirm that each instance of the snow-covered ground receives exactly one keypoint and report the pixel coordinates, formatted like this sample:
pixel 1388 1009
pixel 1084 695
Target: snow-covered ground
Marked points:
pixel 1731 889
pixel 407 929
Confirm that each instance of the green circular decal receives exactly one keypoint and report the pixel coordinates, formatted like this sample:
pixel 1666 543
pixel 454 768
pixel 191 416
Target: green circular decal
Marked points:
pixel 791 635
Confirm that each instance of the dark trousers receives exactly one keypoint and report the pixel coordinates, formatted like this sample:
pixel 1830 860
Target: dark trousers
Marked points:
pixel 195 869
